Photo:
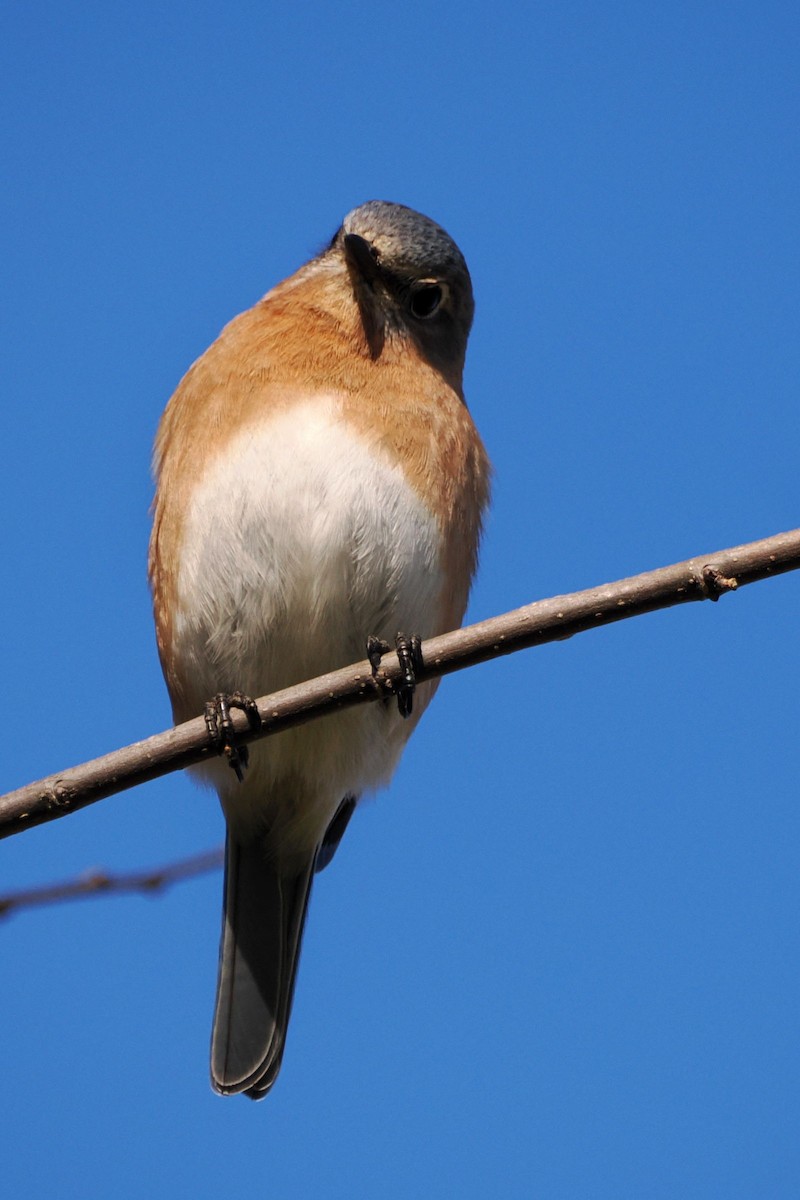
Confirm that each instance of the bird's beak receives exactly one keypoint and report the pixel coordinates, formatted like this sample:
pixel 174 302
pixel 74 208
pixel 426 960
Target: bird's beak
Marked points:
pixel 361 257
pixel 365 272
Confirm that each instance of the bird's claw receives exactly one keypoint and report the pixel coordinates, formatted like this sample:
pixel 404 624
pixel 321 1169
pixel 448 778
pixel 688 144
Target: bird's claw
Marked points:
pixel 409 654
pixel 221 731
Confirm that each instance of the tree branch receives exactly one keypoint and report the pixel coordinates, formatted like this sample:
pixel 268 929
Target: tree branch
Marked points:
pixel 706 577
pixel 98 882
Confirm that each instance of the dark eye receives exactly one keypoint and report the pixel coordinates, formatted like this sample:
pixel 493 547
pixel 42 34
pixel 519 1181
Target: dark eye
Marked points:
pixel 425 300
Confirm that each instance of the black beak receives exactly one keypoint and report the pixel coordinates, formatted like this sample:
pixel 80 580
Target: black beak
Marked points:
pixel 361 257
pixel 362 263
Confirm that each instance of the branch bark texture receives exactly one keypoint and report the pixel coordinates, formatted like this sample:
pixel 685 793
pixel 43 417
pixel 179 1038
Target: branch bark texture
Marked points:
pixel 705 577
pixel 98 882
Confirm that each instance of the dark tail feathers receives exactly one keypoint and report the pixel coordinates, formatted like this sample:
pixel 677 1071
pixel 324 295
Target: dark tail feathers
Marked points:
pixel 262 927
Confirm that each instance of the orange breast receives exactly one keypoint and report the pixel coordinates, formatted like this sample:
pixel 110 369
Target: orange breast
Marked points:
pixel 305 337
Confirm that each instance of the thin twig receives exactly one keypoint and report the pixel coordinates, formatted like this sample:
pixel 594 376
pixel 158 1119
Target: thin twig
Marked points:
pixel 706 577
pixel 98 882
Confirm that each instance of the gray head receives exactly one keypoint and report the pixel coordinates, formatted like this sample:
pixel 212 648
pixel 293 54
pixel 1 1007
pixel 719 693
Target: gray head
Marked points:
pixel 409 278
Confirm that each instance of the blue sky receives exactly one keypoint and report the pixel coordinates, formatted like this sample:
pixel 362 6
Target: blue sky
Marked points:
pixel 560 956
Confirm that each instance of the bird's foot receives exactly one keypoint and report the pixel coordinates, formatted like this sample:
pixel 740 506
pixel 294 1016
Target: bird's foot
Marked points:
pixel 409 653
pixel 221 731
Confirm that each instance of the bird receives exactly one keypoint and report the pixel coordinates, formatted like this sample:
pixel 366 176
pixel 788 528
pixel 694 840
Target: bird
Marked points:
pixel 320 485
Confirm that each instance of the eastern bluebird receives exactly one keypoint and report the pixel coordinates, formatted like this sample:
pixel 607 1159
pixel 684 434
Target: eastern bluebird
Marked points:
pixel 319 481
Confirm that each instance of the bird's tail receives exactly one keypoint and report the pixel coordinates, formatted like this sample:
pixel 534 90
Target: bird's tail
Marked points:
pixel 262 927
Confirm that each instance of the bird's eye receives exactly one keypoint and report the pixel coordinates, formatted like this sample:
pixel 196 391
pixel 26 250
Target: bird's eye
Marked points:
pixel 425 300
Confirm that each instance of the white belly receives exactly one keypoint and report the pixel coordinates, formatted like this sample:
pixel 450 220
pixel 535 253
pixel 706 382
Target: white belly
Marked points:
pixel 300 541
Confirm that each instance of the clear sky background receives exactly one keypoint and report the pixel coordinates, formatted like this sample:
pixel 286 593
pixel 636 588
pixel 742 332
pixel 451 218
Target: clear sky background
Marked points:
pixel 560 956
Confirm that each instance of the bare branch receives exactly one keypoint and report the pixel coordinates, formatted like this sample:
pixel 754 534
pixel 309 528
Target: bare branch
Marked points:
pixel 706 577
pixel 98 882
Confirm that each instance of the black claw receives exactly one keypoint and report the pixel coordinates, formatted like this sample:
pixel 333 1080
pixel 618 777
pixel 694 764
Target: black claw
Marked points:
pixel 221 731
pixel 409 653
pixel 376 648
